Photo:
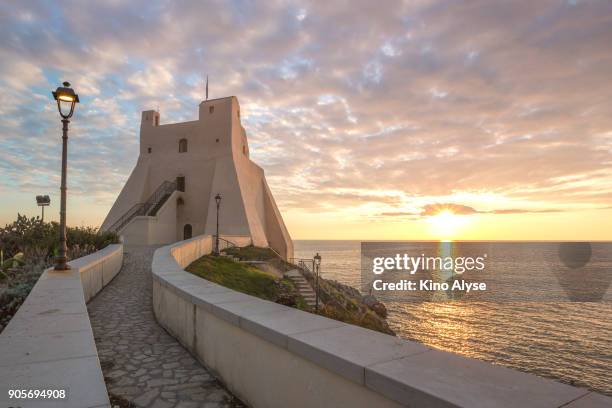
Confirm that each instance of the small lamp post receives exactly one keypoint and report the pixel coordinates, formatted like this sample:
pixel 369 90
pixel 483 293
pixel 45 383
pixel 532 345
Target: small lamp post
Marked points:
pixel 218 201
pixel 43 201
pixel 66 100
pixel 317 263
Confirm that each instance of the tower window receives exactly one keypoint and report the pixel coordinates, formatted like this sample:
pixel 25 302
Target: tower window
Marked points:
pixel 211 109
pixel 217 140
pixel 183 146
pixel 180 183
pixel 156 120
pixel 244 150
pixel 149 150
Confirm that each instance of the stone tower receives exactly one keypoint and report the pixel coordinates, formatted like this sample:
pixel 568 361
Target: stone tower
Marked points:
pixel 170 194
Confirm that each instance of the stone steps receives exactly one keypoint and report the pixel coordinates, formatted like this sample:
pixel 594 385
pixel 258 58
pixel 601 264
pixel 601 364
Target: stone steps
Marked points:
pixel 303 287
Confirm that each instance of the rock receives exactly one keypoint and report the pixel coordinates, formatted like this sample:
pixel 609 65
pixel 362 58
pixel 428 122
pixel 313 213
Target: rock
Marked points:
pixel 379 309
pixel 369 300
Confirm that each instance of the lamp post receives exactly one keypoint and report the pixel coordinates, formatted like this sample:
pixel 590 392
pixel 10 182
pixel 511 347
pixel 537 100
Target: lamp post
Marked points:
pixel 218 201
pixel 66 100
pixel 317 263
pixel 43 201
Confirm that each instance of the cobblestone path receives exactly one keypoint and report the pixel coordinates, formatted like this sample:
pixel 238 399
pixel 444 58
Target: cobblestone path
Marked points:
pixel 141 362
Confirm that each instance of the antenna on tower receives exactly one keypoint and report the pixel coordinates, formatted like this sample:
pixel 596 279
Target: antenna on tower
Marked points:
pixel 206 87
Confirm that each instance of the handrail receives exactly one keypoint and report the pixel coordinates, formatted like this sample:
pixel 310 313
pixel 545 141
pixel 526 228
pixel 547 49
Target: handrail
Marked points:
pixel 274 251
pixel 228 244
pixel 125 218
pixel 305 264
pixel 164 189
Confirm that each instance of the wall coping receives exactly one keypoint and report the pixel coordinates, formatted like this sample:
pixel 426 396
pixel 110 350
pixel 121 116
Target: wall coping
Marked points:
pixel 404 371
pixel 49 343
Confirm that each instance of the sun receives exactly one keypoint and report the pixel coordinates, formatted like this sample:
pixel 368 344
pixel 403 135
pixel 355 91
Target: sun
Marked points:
pixel 446 224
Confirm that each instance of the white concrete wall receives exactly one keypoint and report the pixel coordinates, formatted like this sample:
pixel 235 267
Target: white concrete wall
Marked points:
pixel 155 230
pixel 98 269
pixel 49 342
pixel 137 231
pixel 270 355
pixel 134 192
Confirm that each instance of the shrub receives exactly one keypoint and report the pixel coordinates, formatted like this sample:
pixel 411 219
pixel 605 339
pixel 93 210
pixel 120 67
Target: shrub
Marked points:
pixel 29 247
pixel 39 240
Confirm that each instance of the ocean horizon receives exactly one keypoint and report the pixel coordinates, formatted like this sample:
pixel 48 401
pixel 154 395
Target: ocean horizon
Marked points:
pixel 565 341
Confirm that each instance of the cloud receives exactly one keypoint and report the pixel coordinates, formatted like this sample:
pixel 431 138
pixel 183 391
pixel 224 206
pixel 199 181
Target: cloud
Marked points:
pixel 434 209
pixel 429 210
pixel 415 101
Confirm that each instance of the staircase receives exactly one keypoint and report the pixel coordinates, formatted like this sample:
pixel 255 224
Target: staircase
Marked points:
pixel 303 287
pixel 148 208
pixel 158 205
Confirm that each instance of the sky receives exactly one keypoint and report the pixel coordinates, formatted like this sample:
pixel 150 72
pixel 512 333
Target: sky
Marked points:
pixel 372 120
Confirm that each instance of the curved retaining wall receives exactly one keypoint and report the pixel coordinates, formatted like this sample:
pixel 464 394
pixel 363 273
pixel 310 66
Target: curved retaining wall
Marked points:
pixel 49 343
pixel 270 355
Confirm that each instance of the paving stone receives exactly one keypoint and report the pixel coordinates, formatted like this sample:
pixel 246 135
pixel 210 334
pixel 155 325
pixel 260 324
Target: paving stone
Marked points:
pixel 138 373
pixel 186 404
pixel 157 382
pixel 147 365
pixel 146 398
pixel 159 403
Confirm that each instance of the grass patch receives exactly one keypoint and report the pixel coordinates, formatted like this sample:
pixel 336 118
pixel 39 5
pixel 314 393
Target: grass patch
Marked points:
pixel 253 253
pixel 237 276
pixel 248 279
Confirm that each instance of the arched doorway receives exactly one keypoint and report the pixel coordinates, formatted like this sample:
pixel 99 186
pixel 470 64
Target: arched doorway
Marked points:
pixel 187 231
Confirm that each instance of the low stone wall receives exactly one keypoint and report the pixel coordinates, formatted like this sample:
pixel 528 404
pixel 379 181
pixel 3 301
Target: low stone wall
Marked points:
pixel 270 355
pixel 49 343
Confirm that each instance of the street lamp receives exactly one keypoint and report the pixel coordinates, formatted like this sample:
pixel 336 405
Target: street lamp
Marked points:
pixel 218 201
pixel 66 100
pixel 43 201
pixel 317 263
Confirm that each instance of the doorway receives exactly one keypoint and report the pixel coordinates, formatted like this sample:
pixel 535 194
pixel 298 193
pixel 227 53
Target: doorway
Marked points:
pixel 187 231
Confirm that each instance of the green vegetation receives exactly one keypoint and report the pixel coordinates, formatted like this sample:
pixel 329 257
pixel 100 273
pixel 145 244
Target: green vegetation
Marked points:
pixel 253 253
pixel 28 248
pixel 339 302
pixel 38 240
pixel 247 279
pixel 234 275
pixel 339 306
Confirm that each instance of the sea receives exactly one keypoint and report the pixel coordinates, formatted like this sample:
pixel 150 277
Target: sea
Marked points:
pixel 567 341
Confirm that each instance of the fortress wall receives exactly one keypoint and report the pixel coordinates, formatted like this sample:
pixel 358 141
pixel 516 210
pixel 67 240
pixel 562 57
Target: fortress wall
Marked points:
pixel 250 181
pixel 277 233
pixel 133 192
pixel 270 355
pixel 49 343
pixel 232 214
pixel 158 229
pixel 265 221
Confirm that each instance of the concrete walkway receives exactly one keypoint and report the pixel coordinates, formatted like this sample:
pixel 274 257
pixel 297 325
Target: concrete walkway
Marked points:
pixel 141 362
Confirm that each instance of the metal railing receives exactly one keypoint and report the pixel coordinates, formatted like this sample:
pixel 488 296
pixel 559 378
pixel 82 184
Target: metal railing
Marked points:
pixel 275 252
pixel 305 264
pixel 157 198
pixel 224 243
